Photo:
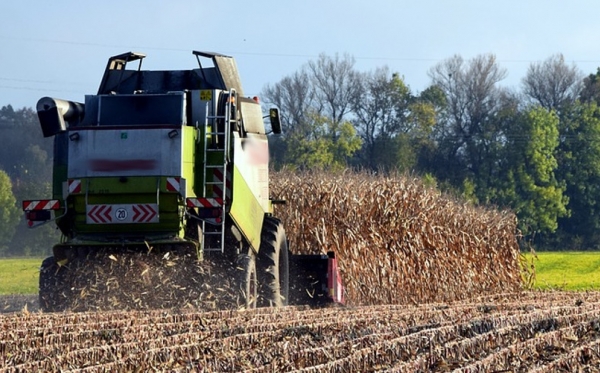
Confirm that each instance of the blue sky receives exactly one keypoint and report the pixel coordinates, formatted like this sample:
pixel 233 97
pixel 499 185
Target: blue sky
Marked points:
pixel 59 48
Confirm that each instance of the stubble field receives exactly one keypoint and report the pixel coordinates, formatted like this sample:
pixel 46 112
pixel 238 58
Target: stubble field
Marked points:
pixel 432 284
pixel 528 332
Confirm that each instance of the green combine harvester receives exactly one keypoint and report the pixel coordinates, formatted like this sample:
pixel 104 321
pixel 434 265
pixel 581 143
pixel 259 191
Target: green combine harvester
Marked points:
pixel 178 161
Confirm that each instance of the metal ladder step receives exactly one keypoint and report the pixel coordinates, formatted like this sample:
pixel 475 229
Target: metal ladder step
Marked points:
pixel 221 117
pixel 219 153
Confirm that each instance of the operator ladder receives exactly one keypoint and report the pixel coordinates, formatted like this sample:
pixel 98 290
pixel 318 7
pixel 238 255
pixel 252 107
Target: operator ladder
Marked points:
pixel 216 169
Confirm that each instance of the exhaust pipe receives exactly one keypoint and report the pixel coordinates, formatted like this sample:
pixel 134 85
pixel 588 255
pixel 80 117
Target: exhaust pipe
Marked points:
pixel 53 113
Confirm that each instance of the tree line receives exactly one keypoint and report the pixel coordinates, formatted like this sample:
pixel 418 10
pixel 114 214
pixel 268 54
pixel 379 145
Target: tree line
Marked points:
pixel 534 149
pixel 25 173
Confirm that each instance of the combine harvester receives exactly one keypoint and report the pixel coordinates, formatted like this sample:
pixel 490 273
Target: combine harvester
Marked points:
pixel 174 161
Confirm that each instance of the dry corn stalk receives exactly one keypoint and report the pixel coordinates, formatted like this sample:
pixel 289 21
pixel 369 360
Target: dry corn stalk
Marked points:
pixel 398 241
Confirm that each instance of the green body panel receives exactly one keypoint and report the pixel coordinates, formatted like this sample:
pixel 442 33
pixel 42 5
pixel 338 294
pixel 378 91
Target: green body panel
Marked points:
pixel 60 165
pixel 136 190
pixel 246 210
pixel 59 177
pixel 132 190
pixel 113 185
pixel 199 163
pixel 189 152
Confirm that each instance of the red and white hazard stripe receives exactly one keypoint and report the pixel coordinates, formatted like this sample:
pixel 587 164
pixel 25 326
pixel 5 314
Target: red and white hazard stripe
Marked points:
pixel 217 190
pixel 122 213
pixel 44 204
pixel 143 213
pixel 204 202
pixel 74 186
pixel 173 184
pixel 100 214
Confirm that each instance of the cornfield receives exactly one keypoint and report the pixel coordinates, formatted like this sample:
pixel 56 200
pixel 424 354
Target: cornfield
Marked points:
pixel 397 240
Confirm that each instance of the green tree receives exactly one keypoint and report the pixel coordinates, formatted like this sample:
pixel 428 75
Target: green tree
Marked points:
pixel 590 91
pixel 579 168
pixel 325 88
pixel 466 128
pixel 329 145
pixel 392 123
pixel 25 153
pixel 9 213
pixel 380 109
pixel 26 157
pixel 530 186
pixel 36 241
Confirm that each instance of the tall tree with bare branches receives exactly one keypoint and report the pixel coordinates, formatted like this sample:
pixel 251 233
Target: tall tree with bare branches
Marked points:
pixel 467 130
pixel 552 83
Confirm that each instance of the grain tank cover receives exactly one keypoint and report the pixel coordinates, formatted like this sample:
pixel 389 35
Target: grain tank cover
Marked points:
pixel 118 79
pixel 225 69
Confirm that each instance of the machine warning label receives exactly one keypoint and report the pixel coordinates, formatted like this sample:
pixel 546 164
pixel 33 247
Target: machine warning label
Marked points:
pixel 121 214
pixel 116 214
pixel 206 95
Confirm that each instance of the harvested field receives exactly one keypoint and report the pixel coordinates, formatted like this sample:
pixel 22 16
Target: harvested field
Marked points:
pixel 432 285
pixel 538 332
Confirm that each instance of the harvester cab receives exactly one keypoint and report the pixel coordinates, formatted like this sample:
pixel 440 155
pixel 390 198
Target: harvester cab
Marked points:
pixel 177 160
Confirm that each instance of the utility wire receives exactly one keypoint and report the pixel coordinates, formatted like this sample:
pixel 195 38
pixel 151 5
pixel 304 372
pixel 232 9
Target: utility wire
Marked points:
pixel 266 54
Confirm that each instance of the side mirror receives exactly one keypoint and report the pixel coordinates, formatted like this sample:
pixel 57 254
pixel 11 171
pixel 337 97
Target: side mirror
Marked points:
pixel 275 121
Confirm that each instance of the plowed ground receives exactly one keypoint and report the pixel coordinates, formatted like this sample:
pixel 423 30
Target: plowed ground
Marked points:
pixel 541 332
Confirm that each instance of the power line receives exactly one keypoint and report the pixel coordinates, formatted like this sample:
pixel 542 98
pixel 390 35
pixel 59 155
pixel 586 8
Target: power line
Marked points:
pixel 38 89
pixel 37 81
pixel 266 54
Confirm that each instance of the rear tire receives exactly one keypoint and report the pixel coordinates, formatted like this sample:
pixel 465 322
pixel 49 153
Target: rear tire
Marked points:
pixel 51 281
pixel 273 265
pixel 248 283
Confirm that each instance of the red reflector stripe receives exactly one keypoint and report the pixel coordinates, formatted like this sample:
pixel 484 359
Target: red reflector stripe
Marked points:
pixel 45 204
pixel 173 184
pixel 74 186
pixel 204 202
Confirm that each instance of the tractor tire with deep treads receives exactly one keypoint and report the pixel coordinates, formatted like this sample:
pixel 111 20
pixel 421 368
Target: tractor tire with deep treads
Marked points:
pixel 248 283
pixel 273 265
pixel 51 275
